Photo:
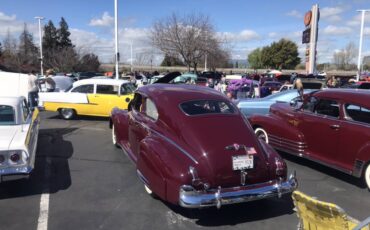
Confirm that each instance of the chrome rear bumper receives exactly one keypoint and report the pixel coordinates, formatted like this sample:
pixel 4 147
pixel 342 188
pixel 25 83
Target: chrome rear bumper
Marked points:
pixel 15 173
pixel 191 198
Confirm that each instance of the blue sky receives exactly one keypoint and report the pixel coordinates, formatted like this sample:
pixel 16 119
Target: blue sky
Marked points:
pixel 246 25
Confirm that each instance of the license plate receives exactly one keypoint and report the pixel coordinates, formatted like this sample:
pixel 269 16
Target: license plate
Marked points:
pixel 242 162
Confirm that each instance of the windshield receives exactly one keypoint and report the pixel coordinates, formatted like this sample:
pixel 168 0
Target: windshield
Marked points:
pixel 7 115
pixel 206 107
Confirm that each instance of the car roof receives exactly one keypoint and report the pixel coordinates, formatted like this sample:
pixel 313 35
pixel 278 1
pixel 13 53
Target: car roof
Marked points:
pixel 360 96
pixel 99 81
pixel 180 92
pixel 12 101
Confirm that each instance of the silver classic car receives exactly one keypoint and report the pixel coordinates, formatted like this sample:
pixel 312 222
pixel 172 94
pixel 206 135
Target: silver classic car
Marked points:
pixel 19 126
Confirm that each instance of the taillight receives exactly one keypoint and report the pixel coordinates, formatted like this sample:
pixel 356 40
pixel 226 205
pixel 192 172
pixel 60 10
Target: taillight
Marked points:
pixel 15 157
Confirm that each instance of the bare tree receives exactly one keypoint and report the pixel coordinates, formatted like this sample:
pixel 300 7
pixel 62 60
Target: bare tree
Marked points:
pixel 188 37
pixel 350 52
pixel 344 58
pixel 142 58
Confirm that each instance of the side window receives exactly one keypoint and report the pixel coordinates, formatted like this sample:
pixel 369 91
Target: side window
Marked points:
pixel 150 109
pixel 84 89
pixel 107 89
pixel 357 113
pixel 309 104
pixel 327 107
pixel 25 109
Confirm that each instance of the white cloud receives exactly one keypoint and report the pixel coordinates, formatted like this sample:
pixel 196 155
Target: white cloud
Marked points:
pixel 295 13
pixel 4 17
pixel 331 14
pixel 336 30
pixel 242 36
pixel 356 20
pixel 330 11
pixel 9 23
pixel 87 41
pixel 273 35
pixel 367 31
pixel 105 20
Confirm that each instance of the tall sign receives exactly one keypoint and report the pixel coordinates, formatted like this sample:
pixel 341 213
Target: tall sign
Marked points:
pixel 309 37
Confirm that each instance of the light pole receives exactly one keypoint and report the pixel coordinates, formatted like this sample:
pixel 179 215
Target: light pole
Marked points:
pixel 360 46
pixel 132 67
pixel 40 36
pixel 116 35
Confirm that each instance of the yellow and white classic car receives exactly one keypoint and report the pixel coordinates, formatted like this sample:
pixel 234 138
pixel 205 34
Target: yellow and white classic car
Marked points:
pixel 93 97
pixel 19 128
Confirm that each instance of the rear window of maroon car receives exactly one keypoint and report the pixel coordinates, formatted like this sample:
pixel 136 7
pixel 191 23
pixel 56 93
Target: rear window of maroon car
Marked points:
pixel 198 107
pixel 357 113
pixel 327 107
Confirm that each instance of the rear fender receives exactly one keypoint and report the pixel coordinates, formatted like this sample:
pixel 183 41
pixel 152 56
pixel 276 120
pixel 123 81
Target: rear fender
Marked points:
pixel 362 156
pixel 119 118
pixel 163 168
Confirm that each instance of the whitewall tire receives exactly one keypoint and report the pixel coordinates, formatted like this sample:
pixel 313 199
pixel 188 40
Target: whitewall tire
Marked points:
pixel 262 134
pixel 67 114
pixel 367 176
pixel 148 190
pixel 114 136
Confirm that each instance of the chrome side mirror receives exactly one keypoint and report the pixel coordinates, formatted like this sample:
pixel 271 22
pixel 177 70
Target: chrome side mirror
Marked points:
pixel 293 103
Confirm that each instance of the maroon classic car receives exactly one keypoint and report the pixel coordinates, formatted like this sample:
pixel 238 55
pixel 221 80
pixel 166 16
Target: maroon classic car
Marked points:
pixel 331 127
pixel 193 148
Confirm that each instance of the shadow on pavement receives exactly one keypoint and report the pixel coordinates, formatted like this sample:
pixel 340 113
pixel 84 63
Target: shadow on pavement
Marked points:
pixel 81 118
pixel 324 169
pixel 51 172
pixel 238 213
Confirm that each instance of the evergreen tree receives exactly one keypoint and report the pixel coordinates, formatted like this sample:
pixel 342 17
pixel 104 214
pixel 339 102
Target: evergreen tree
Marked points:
pixel 255 59
pixel 1 49
pixel 63 35
pixel 285 54
pixel 49 40
pixel 279 55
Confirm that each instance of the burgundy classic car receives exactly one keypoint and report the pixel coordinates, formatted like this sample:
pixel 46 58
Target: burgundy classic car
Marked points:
pixel 192 147
pixel 331 127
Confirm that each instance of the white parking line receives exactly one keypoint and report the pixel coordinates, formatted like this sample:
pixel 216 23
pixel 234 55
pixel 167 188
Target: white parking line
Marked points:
pixel 44 212
pixel 42 223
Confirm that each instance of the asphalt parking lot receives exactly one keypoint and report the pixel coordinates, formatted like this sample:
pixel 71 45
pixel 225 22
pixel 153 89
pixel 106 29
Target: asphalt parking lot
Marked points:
pixel 93 185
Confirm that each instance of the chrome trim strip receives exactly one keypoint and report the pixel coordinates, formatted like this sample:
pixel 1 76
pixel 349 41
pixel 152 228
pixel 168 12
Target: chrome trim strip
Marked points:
pixel 142 177
pixel 171 142
pixel 191 198
pixel 278 142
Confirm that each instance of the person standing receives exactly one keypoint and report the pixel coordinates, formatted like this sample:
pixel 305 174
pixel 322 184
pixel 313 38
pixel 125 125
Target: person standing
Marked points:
pixel 32 89
pixel 49 82
pixel 299 86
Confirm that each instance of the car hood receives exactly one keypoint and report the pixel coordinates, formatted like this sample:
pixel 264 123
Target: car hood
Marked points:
pixel 209 138
pixel 7 134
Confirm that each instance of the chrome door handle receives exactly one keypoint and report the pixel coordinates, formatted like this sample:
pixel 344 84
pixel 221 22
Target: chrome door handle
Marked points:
pixel 335 127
